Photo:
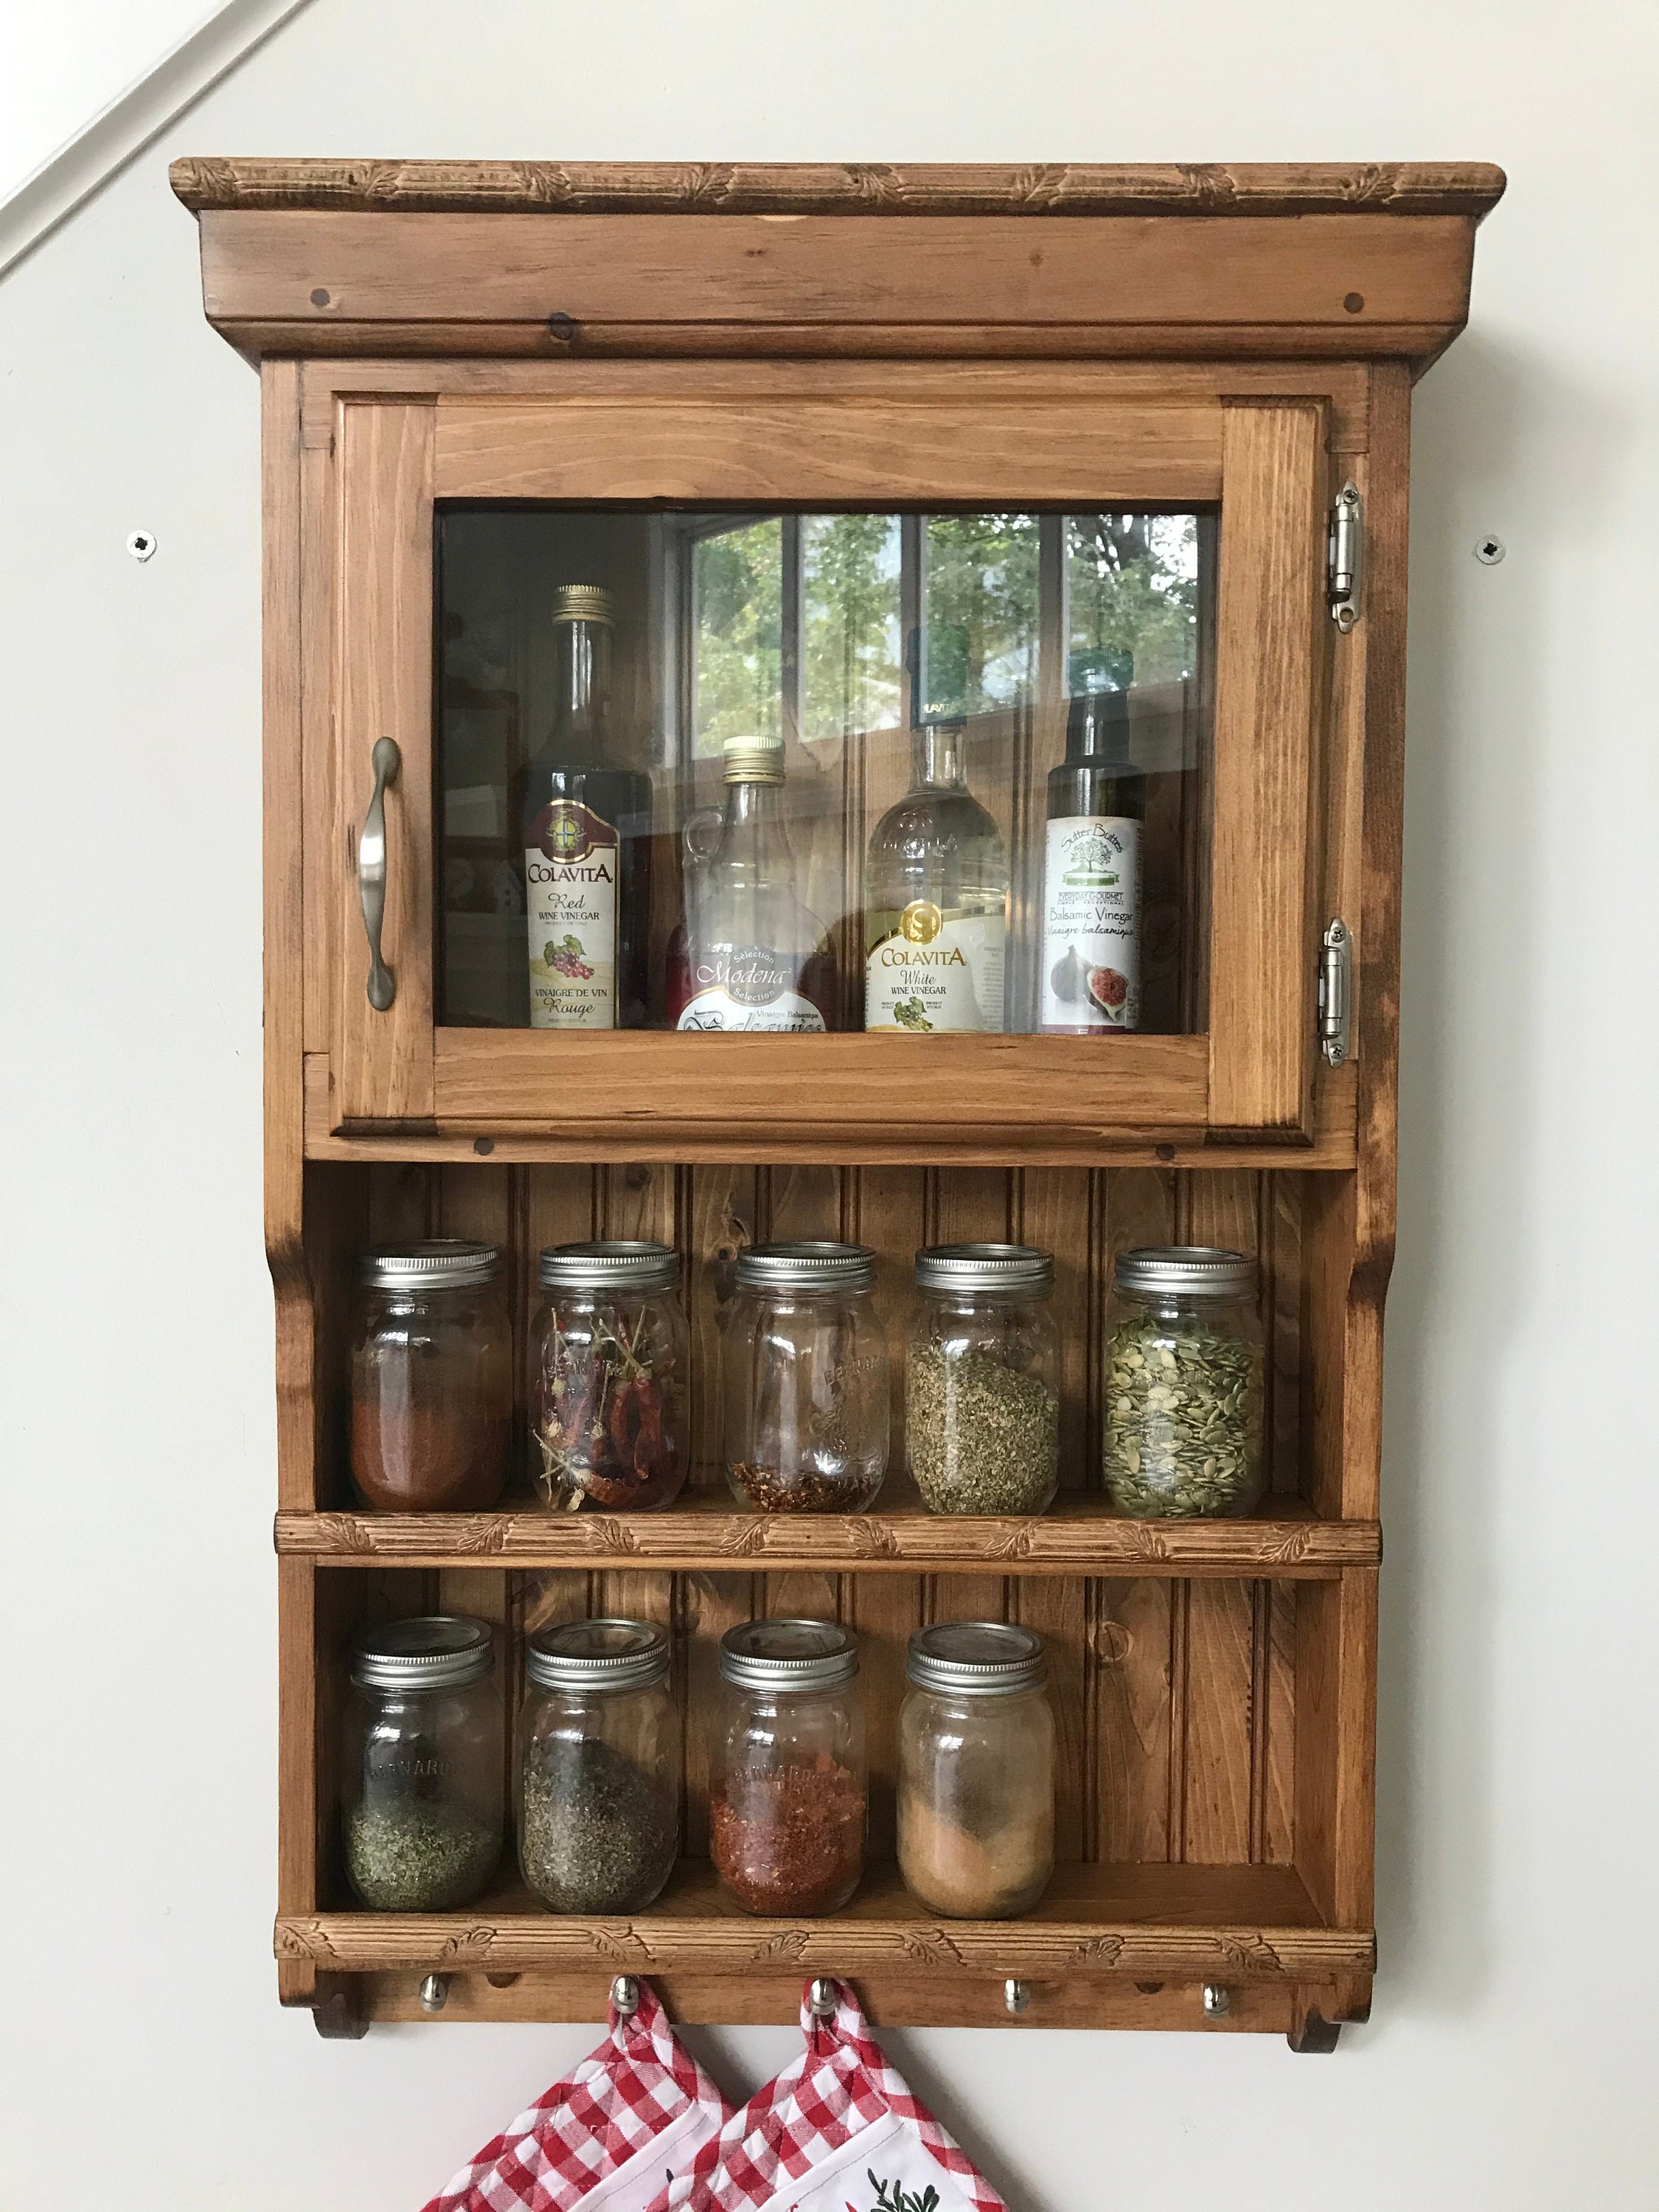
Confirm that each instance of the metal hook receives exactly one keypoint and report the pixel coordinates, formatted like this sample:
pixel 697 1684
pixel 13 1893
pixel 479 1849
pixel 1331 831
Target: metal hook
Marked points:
pixel 821 1998
pixel 434 1992
pixel 625 1995
pixel 1016 1996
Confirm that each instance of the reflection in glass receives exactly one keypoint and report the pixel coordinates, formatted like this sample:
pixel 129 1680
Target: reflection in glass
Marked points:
pixel 738 591
pixel 1045 670
pixel 852 653
pixel 982 613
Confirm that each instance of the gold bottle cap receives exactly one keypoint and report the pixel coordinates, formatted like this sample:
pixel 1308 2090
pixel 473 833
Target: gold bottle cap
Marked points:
pixel 583 602
pixel 753 760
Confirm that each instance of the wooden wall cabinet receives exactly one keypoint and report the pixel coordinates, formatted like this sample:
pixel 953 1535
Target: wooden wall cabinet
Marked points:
pixel 1239 343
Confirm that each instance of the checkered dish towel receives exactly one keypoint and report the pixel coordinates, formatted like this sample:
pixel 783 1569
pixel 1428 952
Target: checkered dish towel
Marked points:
pixel 838 2131
pixel 626 2122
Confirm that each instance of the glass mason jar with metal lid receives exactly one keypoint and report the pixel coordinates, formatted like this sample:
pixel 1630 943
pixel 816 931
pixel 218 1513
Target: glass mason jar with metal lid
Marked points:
pixel 805 1379
pixel 788 1792
pixel 598 1767
pixel 421 1780
pixel 1183 1384
pixel 976 1771
pixel 431 1378
pixel 982 1380
pixel 608 1360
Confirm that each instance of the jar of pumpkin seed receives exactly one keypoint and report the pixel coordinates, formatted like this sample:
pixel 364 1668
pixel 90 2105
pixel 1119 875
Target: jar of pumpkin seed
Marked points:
pixel 1183 1384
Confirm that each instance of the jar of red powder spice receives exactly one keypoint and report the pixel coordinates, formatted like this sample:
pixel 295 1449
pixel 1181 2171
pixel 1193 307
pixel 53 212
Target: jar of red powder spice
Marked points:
pixel 787 1813
pixel 431 1378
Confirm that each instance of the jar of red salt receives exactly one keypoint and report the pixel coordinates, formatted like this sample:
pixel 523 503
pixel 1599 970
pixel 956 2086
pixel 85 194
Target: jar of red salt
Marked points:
pixel 431 1378
pixel 787 1811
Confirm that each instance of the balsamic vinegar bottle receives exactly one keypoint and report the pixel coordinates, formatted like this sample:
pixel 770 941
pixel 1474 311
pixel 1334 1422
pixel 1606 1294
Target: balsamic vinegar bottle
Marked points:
pixel 1090 974
pixel 584 829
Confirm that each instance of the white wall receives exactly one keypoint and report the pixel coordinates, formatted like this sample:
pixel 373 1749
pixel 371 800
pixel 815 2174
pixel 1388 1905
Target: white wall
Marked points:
pixel 1509 2059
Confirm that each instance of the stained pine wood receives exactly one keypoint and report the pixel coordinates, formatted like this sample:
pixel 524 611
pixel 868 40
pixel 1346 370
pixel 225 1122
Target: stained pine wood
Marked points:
pixel 1185 285
pixel 382 1064
pixel 1270 658
pixel 1076 451
pixel 962 188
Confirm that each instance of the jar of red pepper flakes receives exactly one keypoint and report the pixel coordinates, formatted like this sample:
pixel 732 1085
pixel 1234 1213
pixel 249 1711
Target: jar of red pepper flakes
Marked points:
pixel 788 1799
pixel 609 1354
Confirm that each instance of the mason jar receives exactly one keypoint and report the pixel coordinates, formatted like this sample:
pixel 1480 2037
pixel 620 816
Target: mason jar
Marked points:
pixel 976 1771
pixel 431 1378
pixel 788 1794
pixel 982 1380
pixel 598 1767
pixel 1183 1384
pixel 609 1354
pixel 423 1762
pixel 805 1382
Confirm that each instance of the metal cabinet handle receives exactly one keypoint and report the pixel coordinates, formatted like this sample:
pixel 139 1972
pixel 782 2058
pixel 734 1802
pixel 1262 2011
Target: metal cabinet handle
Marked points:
pixel 371 872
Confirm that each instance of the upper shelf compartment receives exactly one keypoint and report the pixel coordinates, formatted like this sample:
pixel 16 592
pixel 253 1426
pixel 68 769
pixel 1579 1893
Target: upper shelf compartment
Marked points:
pixel 966 753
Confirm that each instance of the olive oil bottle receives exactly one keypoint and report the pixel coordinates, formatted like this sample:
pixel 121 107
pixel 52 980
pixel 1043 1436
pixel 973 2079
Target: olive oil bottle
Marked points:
pixel 936 902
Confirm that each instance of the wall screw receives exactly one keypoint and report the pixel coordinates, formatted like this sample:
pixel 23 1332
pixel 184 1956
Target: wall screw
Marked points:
pixel 141 544
pixel 1489 550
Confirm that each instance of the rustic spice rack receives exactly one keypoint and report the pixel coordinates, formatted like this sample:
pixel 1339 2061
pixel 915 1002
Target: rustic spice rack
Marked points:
pixel 546 331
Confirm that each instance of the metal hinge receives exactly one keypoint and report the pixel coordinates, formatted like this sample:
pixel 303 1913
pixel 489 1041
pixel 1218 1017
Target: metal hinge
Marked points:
pixel 1345 556
pixel 1335 995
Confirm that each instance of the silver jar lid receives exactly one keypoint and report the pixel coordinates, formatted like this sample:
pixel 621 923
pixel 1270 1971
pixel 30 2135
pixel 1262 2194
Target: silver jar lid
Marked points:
pixel 617 1266
pixel 438 1263
pixel 985 1267
pixel 1187 1271
pixel 976 1658
pixel 806 1266
pixel 788 1654
pixel 439 1652
pixel 597 1654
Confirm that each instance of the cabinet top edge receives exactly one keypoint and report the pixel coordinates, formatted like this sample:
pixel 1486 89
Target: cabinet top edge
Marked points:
pixel 1075 188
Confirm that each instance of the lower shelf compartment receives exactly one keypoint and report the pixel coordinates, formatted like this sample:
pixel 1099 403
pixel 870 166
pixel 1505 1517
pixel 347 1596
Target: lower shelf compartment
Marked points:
pixel 1151 1922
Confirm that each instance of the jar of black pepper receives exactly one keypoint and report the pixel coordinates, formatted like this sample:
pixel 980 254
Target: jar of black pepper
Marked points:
pixel 431 1378
pixel 609 1354
pixel 422 1765
pixel 787 1806
pixel 598 1767
pixel 982 1380
pixel 803 1365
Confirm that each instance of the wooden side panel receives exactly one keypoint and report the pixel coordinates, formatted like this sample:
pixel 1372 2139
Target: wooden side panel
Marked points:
pixel 1336 1746
pixel 1270 626
pixel 382 1065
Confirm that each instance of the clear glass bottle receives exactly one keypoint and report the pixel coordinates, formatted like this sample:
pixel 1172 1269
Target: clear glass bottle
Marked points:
pixel 1183 1384
pixel 1090 976
pixel 598 1767
pixel 788 1805
pixel 804 1380
pixel 756 958
pixel 608 1371
pixel 431 1378
pixel 937 901
pixel 421 1765
pixel 585 832
pixel 976 1771
pixel 982 1380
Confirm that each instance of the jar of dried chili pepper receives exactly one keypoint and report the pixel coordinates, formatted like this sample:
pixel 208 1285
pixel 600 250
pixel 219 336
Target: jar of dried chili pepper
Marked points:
pixel 608 1355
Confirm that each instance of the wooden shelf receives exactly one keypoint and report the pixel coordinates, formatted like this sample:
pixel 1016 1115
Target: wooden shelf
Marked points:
pixel 1079 1534
pixel 1223 1923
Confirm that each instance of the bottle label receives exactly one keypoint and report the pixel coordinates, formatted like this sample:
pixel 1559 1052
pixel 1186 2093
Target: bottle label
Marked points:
pixel 1091 923
pixel 933 969
pixel 748 986
pixel 570 869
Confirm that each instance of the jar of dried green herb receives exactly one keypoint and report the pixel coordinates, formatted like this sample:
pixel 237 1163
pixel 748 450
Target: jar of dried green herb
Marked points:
pixel 1183 1384
pixel 420 1785
pixel 598 1767
pixel 982 1380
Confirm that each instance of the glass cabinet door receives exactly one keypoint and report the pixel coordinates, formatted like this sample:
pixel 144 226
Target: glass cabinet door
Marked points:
pixel 783 764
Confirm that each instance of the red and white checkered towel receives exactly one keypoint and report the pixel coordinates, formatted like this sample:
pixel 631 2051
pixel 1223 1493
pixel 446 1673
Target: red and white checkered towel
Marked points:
pixel 838 2131
pixel 630 2118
